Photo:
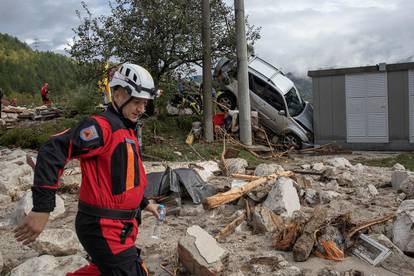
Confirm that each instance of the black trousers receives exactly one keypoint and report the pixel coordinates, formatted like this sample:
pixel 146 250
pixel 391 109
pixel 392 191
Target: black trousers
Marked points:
pixel 90 231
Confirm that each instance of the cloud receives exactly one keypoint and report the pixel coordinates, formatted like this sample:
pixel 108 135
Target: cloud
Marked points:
pixel 297 36
pixel 325 34
pixel 49 22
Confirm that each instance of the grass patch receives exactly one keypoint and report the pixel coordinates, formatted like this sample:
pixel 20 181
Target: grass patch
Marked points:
pixel 405 159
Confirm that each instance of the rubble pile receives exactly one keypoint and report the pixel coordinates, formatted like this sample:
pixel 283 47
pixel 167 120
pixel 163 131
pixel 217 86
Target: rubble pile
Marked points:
pixel 315 218
pixel 11 115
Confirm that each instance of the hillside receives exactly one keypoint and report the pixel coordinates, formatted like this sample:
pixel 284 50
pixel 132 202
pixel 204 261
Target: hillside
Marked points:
pixel 23 70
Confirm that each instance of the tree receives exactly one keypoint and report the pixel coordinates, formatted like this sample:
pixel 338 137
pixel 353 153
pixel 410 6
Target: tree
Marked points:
pixel 161 35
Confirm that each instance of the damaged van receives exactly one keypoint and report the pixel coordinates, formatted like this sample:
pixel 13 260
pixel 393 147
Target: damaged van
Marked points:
pixel 274 96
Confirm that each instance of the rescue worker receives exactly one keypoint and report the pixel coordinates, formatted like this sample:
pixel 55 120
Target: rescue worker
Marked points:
pixel 113 179
pixel 44 92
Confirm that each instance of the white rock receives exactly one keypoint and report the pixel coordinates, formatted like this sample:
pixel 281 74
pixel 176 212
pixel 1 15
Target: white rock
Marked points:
pixel 306 166
pixel 25 205
pixel 14 154
pixel 347 179
pixel 209 167
pixel 398 167
pixel 1 262
pixel 332 185
pixel 403 233
pixel 71 181
pixel 318 166
pixel 236 165
pixel 339 162
pixel 268 169
pixel 47 265
pixel 359 168
pixel 283 198
pixel 372 190
pixel 16 178
pixel 327 196
pixel 56 242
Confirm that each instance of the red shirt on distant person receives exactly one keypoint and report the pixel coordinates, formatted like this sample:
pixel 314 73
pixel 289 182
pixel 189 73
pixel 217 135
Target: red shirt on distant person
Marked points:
pixel 44 92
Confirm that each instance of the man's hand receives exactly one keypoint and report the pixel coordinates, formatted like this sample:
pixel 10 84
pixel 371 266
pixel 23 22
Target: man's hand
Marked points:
pixel 31 227
pixel 153 208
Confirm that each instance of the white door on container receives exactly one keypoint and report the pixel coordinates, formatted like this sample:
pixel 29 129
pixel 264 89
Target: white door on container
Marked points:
pixel 411 103
pixel 366 108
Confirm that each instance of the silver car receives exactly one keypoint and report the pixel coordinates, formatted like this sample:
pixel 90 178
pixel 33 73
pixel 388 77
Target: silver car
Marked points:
pixel 281 108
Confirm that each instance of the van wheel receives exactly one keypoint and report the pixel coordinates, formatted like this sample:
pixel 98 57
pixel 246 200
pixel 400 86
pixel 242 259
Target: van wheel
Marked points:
pixel 228 100
pixel 291 140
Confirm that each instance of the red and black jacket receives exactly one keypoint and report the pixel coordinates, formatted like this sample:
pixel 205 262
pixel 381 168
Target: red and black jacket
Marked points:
pixel 113 175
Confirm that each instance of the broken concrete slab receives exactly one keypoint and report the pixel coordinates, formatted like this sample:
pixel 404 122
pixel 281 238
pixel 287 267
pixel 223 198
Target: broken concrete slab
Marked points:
pixel 236 165
pixel 25 205
pixel 47 265
pixel 264 220
pixel 283 199
pixel 200 254
pixel 56 242
pixel 403 233
pixel 268 169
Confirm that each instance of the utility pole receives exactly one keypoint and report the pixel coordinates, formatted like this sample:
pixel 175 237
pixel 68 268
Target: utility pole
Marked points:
pixel 207 100
pixel 242 75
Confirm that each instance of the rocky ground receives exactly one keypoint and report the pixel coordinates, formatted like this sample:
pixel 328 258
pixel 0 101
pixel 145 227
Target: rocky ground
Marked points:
pixel 332 182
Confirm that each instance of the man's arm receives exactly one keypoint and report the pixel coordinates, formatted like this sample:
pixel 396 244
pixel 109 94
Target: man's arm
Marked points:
pixel 86 139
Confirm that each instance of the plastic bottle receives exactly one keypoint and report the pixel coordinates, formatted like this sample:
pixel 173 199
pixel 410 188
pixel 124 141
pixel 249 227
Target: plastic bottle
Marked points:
pixel 156 233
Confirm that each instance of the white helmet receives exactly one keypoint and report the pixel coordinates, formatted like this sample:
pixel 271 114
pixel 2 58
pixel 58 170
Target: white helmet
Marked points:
pixel 136 80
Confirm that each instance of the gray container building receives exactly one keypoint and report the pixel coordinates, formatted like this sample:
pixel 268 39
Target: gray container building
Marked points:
pixel 365 108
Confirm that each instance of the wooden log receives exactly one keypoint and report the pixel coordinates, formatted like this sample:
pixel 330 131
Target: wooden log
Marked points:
pixel 254 177
pixel 304 245
pixel 230 227
pixel 235 193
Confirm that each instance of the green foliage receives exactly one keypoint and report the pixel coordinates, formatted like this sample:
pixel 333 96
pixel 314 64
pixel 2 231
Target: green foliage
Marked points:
pixel 405 159
pixel 34 135
pixel 24 71
pixel 82 101
pixel 160 35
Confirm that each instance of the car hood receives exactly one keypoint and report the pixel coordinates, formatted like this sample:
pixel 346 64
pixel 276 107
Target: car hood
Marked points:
pixel 306 117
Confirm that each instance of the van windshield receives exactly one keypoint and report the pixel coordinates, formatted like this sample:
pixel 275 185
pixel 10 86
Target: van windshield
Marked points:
pixel 294 102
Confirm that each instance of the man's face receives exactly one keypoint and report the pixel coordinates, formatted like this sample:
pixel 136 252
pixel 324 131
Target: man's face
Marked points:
pixel 133 110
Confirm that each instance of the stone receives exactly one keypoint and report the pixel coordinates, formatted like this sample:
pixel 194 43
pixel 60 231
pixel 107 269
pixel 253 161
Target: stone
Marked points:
pixel 328 174
pixel 339 162
pixel 372 190
pixel 403 231
pixel 200 254
pixel 56 242
pixel 47 265
pixel 15 178
pixel 332 185
pixel 1 263
pixel 398 167
pixel 318 166
pixel 268 169
pixel 328 272
pixel 243 227
pixel 5 199
pixel 347 179
pixel 236 165
pixel 306 166
pixel 264 220
pixel 359 168
pixel 327 196
pixel 283 198
pixel 25 205
pixel 312 197
pixel 208 169
pixel 398 177
pixel 71 182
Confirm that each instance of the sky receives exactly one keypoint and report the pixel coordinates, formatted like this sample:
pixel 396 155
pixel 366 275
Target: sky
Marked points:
pixel 297 35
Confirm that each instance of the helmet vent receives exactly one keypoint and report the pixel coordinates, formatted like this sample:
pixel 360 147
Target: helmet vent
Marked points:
pixel 127 72
pixel 135 78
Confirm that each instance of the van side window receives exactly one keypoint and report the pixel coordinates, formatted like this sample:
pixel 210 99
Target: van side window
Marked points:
pixel 266 92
